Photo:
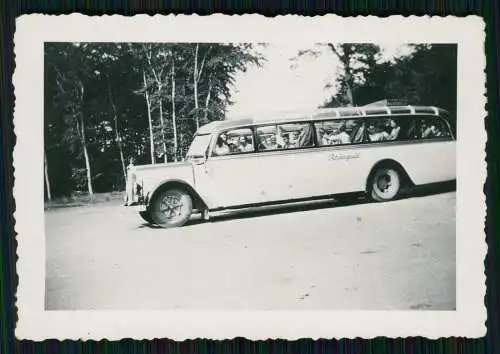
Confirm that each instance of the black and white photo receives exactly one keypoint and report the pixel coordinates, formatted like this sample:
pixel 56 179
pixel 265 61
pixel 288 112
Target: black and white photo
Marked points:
pixel 253 178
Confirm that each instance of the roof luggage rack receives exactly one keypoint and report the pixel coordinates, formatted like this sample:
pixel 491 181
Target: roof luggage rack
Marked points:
pixel 376 111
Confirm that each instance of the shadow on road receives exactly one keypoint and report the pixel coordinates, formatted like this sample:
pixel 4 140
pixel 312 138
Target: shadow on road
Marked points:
pixel 254 212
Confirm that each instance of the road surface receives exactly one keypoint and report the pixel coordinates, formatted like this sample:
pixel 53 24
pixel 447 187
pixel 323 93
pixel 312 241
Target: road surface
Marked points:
pixel 391 256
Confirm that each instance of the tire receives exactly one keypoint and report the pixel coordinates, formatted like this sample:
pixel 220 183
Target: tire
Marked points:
pixel 146 216
pixel 171 208
pixel 385 184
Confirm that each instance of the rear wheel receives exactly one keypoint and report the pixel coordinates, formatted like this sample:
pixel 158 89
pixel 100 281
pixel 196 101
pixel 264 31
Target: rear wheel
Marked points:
pixel 171 208
pixel 385 184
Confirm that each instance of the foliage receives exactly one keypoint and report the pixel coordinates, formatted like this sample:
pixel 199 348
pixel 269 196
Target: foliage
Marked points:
pixel 95 105
pixel 427 76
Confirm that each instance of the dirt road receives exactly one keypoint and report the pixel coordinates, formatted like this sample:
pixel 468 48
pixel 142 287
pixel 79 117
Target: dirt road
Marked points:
pixel 398 255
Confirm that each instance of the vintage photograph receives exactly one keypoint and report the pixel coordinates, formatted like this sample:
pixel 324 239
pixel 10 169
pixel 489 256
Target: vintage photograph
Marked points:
pixel 177 178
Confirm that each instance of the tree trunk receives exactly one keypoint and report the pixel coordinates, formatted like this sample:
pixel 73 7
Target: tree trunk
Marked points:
pixel 195 85
pixel 174 123
pixel 207 101
pixel 86 155
pixel 348 83
pixel 344 59
pixel 161 123
pixel 81 125
pixel 46 173
pixel 117 134
pixel 148 103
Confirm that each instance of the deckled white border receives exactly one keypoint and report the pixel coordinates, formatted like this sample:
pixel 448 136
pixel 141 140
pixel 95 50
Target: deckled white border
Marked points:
pixel 35 323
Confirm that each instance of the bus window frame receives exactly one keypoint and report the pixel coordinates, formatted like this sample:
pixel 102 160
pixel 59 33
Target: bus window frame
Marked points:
pixel 276 124
pixel 446 125
pixel 414 118
pixel 225 131
pixel 362 119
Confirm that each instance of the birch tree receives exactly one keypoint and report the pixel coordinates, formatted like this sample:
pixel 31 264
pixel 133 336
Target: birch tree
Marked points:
pixel 108 102
pixel 174 119
pixel 150 121
pixel 197 72
pixel 157 71
pixel 46 176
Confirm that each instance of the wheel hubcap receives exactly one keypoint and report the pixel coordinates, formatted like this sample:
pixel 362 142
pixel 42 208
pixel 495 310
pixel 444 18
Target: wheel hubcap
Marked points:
pixel 172 207
pixel 384 182
pixel 387 183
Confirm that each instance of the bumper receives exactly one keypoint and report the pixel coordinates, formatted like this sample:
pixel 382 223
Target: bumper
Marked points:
pixel 139 206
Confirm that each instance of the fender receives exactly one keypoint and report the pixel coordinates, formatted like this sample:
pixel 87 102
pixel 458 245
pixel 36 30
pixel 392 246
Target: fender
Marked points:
pixel 198 202
pixel 392 163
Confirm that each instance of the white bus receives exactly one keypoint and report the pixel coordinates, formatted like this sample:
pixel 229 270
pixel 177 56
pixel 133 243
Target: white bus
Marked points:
pixel 327 153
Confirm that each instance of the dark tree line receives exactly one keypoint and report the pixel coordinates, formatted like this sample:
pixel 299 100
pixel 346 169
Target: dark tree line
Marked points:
pixel 108 102
pixel 426 76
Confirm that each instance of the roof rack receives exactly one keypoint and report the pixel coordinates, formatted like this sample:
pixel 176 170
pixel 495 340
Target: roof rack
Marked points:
pixel 377 110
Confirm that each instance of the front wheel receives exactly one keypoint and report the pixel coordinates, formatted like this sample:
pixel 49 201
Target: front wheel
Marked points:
pixel 171 208
pixel 385 184
pixel 146 216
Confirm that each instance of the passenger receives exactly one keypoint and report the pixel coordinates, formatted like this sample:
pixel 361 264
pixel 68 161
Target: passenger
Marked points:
pixel 376 134
pixel 338 137
pixel 274 143
pixel 221 147
pixel 325 139
pixel 423 129
pixel 431 132
pixel 268 142
pixel 395 129
pixel 245 144
pixel 262 143
pixel 344 137
pixel 286 142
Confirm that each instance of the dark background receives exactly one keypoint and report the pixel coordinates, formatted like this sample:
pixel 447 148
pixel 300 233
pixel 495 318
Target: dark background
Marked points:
pixel 489 9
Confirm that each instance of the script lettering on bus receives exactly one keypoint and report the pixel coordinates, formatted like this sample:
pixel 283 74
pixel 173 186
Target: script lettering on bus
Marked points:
pixel 335 156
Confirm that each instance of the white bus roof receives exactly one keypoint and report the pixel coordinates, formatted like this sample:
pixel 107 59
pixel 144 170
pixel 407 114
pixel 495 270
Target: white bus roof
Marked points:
pixel 320 114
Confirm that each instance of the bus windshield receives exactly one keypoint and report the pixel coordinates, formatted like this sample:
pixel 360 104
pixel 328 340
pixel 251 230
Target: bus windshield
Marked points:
pixel 199 146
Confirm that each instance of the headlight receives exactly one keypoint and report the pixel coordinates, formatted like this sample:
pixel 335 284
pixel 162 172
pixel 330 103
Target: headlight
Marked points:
pixel 139 192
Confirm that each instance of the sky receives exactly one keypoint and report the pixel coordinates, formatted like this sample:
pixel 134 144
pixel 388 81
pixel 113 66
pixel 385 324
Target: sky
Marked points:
pixel 277 87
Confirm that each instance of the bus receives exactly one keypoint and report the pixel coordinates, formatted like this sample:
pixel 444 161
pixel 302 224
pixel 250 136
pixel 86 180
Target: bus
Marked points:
pixel 324 153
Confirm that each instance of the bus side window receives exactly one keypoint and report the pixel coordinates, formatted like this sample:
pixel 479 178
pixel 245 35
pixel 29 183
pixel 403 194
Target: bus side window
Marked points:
pixel 295 135
pixel 433 127
pixel 234 142
pixel 334 132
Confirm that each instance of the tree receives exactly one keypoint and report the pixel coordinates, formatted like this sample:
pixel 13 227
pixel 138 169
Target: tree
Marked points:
pixel 427 76
pixel 46 176
pixel 157 68
pixel 354 62
pixel 70 98
pixel 108 102
pixel 150 121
